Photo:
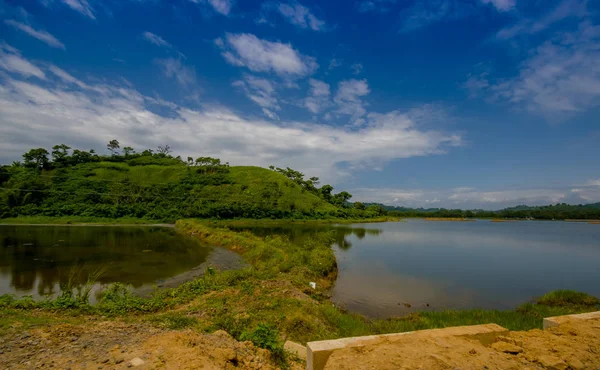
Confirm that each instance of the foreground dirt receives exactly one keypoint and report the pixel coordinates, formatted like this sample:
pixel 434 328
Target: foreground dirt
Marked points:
pixel 573 345
pixel 118 345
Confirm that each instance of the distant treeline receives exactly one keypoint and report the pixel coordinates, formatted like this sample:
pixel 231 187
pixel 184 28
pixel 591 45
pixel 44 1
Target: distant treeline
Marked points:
pixel 561 211
pixel 153 184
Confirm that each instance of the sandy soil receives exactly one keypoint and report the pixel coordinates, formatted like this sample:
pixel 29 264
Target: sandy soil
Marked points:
pixel 573 345
pixel 118 345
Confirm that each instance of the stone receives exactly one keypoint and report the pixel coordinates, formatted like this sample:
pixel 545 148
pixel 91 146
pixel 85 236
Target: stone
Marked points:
pixel 552 362
pixel 137 362
pixel 507 348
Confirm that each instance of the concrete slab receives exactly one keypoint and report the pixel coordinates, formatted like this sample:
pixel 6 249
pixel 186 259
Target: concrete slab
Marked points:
pixel 550 322
pixel 318 352
pixel 295 349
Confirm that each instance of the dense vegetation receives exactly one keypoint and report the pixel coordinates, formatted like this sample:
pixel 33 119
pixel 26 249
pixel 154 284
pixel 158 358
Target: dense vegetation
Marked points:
pixel 559 211
pixel 156 186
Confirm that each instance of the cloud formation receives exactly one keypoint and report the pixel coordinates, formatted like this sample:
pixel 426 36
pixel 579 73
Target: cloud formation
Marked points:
pixel 501 5
pixel 299 15
pixel 318 96
pixel 82 6
pixel 262 92
pixel 220 6
pixel 258 55
pixel 349 99
pixel 155 39
pixel 469 198
pixel 561 77
pixel 175 69
pixel 84 115
pixel 41 35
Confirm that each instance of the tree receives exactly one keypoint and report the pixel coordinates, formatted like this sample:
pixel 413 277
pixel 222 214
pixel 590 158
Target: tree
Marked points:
pixel 113 147
pixel 60 155
pixel 190 161
pixel 326 192
pixel 36 158
pixel 340 199
pixel 128 150
pixel 360 206
pixel 164 150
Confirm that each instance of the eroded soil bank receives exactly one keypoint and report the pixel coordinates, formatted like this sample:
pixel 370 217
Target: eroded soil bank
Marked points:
pixel 120 345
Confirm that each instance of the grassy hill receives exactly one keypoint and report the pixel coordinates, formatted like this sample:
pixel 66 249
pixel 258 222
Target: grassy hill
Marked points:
pixel 162 188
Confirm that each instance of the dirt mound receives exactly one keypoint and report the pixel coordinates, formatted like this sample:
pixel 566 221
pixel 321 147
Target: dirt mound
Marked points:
pixel 573 345
pixel 118 345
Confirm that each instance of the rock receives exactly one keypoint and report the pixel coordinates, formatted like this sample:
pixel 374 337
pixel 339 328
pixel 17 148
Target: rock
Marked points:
pixel 296 349
pixel 507 348
pixel 552 362
pixel 576 364
pixel 137 362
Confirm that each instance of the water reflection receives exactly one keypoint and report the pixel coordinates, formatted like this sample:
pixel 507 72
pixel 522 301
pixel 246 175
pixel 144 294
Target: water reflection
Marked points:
pixel 39 260
pixel 297 233
pixel 389 269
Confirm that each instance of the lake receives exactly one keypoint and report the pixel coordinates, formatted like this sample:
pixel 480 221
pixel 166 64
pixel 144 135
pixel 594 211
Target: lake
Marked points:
pixel 38 260
pixel 388 269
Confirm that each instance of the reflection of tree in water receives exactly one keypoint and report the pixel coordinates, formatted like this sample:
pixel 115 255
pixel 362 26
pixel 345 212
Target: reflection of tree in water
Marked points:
pixel 46 256
pixel 299 233
pixel 341 232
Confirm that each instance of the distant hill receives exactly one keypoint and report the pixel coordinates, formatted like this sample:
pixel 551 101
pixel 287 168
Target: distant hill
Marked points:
pixel 556 211
pixel 160 187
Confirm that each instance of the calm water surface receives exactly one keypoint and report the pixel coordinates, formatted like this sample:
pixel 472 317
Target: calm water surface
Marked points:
pixel 38 260
pixel 386 267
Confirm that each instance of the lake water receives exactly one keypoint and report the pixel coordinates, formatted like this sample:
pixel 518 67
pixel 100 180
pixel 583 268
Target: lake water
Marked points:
pixel 386 267
pixel 38 260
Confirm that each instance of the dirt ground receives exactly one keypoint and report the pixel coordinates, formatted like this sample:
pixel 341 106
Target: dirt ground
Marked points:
pixel 573 345
pixel 118 345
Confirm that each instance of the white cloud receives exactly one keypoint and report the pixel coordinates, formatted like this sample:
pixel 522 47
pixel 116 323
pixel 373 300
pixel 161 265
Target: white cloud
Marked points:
pixel 262 92
pixel 38 34
pixel 81 6
pixel 560 78
pixel 155 39
pixel 423 13
pixel 334 63
pixel 348 98
pixel 175 69
pixel 220 6
pixel 501 5
pixel 11 61
pixel 318 98
pixel 300 16
pixel 265 56
pixel 87 118
pixel 565 9
pixel 356 68
pixel 380 6
pixel 469 198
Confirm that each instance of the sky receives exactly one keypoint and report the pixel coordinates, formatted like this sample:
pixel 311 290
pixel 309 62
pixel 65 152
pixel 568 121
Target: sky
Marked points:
pixel 439 103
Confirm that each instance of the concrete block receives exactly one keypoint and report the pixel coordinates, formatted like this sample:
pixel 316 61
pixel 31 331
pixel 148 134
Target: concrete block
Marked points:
pixel 295 349
pixel 318 352
pixel 550 322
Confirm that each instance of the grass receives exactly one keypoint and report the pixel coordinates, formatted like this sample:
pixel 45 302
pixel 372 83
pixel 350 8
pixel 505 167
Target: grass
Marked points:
pixel 271 301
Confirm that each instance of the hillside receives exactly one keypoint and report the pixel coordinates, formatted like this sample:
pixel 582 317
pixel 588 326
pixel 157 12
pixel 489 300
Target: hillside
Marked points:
pixel 159 187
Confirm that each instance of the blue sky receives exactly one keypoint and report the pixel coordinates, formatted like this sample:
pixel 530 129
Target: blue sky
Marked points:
pixel 441 103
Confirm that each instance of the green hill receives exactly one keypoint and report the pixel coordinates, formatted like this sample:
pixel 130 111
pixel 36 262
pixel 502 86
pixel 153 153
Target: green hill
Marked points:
pixel 159 187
